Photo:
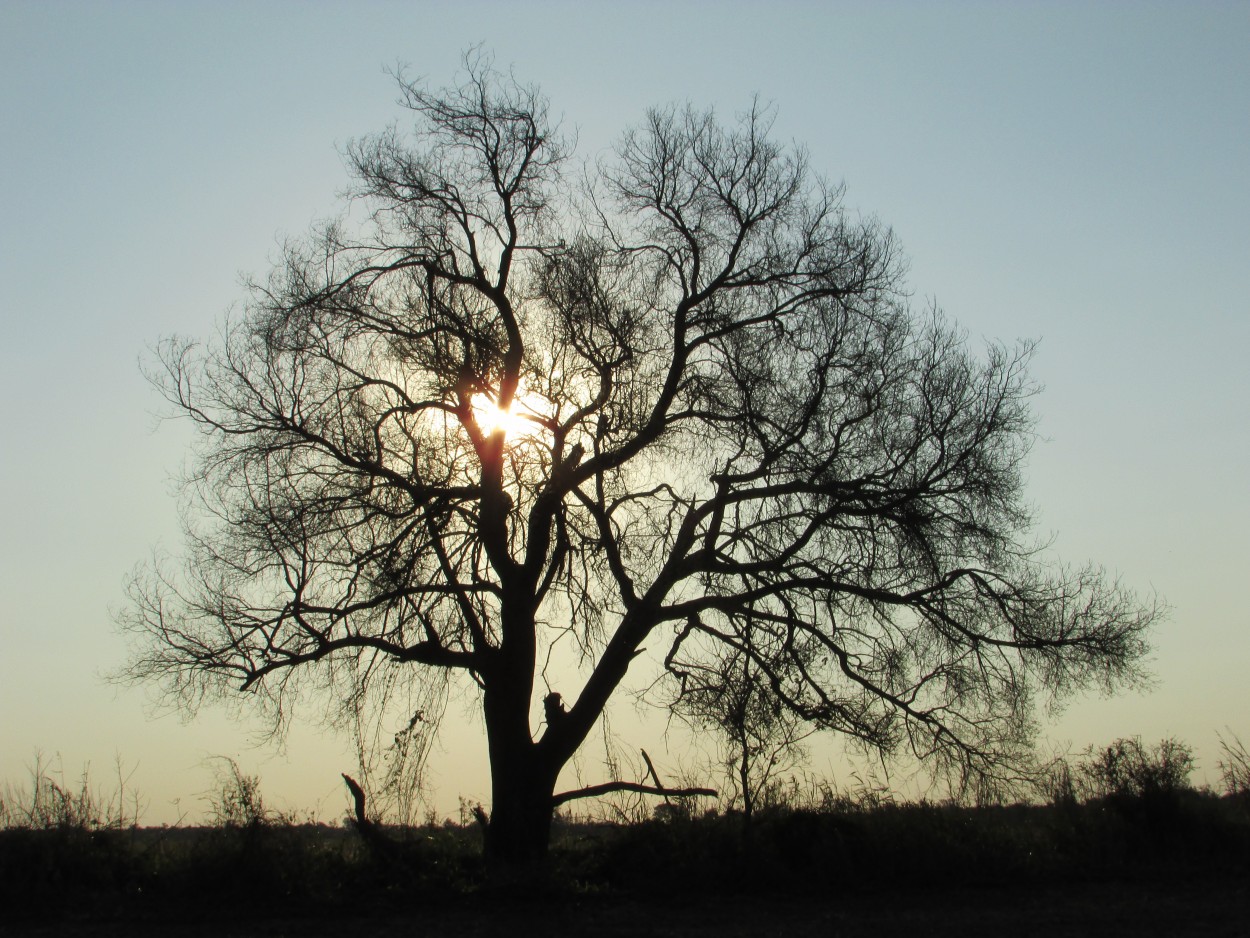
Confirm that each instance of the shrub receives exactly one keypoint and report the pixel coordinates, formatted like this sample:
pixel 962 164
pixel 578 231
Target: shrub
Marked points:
pixel 1235 767
pixel 236 803
pixel 1126 768
pixel 52 803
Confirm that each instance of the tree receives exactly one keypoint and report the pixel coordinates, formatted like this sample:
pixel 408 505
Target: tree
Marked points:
pixel 684 406
pixel 729 693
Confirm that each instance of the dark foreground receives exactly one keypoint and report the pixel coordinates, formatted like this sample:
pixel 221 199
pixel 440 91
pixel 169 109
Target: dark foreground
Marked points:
pixel 1174 867
pixel 1103 909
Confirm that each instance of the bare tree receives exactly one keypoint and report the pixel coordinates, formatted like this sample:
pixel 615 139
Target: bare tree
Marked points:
pixel 722 411
pixel 727 691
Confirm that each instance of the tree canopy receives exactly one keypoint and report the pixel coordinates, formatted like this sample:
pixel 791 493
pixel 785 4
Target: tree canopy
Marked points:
pixel 679 399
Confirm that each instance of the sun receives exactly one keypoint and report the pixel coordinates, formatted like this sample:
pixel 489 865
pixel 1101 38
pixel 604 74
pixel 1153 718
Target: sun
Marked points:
pixel 513 421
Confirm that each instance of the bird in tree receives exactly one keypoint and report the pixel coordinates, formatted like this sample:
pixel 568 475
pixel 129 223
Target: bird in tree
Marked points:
pixel 673 410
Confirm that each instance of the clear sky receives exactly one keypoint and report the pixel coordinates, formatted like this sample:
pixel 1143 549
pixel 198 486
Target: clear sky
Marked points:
pixel 1069 172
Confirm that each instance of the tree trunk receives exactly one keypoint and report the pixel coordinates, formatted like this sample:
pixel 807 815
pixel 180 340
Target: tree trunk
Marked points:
pixel 522 784
pixel 519 829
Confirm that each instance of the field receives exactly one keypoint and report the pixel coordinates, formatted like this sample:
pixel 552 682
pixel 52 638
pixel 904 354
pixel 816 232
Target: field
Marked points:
pixel 1137 863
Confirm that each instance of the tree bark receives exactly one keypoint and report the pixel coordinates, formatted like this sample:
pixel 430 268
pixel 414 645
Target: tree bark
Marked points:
pixel 523 777
pixel 522 788
pixel 519 829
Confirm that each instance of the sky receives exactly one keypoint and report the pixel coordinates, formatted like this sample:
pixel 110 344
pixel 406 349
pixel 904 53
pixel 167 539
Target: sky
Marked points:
pixel 1073 173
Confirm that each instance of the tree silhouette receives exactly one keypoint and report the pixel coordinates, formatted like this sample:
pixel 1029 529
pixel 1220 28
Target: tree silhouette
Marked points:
pixel 727 434
pixel 726 690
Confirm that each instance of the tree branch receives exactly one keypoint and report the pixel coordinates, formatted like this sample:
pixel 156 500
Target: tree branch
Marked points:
pixel 609 787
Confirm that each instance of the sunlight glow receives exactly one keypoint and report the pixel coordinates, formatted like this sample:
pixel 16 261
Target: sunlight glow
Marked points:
pixel 512 421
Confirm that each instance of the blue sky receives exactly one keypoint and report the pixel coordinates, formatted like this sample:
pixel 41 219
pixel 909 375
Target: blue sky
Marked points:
pixel 1068 172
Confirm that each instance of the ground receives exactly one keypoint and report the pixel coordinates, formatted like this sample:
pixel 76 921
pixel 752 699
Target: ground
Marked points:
pixel 1108 910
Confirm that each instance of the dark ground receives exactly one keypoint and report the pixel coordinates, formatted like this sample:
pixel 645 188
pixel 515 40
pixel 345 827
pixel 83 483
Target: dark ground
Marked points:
pixel 1104 909
pixel 1170 866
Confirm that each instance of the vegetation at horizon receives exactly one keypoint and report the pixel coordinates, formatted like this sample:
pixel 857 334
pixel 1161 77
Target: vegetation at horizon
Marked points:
pixel 1126 812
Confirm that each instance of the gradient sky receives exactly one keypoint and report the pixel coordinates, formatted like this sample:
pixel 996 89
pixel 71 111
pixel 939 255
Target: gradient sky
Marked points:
pixel 1075 173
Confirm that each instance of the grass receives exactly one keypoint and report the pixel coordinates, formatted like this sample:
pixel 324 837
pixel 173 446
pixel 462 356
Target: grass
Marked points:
pixel 68 854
